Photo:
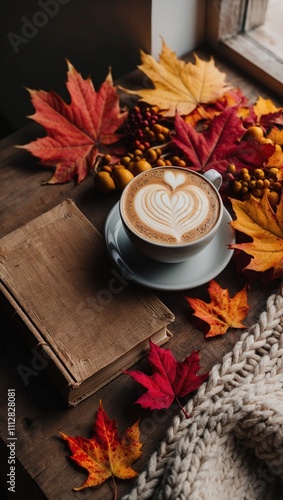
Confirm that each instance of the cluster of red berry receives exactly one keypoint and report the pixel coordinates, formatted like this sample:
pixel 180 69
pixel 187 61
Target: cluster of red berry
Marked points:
pixel 149 145
pixel 144 128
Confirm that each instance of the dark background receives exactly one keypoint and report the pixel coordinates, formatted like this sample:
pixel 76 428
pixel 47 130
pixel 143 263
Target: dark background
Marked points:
pixel 36 38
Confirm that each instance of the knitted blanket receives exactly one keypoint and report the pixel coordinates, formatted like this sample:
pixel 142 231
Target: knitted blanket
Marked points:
pixel 232 446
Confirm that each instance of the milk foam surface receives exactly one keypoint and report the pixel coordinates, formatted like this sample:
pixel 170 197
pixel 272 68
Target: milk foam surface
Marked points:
pixel 170 206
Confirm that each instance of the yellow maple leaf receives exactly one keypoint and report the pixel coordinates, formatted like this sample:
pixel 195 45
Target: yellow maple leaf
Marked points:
pixel 180 86
pixel 257 219
pixel 264 107
pixel 276 135
pixel 276 160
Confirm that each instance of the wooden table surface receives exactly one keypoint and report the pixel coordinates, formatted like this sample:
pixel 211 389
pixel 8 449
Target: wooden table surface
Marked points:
pixel 43 469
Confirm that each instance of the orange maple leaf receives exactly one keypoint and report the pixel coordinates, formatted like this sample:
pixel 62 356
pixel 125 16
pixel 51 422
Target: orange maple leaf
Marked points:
pixel 276 135
pixel 78 131
pixel 264 107
pixel 222 312
pixel 179 86
pixel 105 454
pixel 204 113
pixel 276 159
pixel 257 219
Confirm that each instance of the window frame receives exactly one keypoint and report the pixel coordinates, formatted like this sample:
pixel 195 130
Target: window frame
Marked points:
pixel 228 23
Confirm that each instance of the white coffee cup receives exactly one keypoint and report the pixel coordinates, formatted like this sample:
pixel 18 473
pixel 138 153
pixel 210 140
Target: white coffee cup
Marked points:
pixel 171 213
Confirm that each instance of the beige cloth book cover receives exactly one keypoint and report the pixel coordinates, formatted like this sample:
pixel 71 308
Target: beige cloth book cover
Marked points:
pixel 79 311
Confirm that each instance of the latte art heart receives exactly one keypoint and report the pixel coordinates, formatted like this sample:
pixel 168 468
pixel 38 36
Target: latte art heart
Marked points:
pixel 173 210
pixel 169 206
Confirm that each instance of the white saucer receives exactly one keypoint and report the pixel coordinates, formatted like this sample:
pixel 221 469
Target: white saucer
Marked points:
pixel 191 273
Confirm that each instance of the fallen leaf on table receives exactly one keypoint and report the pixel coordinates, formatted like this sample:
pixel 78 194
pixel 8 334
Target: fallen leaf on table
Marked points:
pixel 179 86
pixel 105 454
pixel 266 116
pixel 170 379
pixel 253 154
pixel 222 312
pixel 76 132
pixel 276 135
pixel 214 147
pixel 276 160
pixel 220 144
pixel 204 113
pixel 257 219
pixel 267 113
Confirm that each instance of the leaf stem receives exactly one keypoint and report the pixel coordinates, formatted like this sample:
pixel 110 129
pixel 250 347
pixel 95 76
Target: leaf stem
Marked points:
pixel 182 408
pixel 114 488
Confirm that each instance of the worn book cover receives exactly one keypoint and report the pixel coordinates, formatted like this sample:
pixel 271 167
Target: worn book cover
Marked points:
pixel 86 318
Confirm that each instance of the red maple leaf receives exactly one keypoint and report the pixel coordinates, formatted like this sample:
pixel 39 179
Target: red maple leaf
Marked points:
pixel 170 379
pixel 220 144
pixel 215 146
pixel 252 154
pixel 272 119
pixel 78 131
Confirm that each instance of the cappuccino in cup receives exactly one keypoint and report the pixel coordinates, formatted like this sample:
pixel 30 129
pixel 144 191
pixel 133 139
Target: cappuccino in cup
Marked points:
pixel 170 213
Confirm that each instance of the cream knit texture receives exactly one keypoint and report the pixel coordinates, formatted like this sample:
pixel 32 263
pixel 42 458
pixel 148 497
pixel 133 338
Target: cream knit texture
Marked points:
pixel 232 446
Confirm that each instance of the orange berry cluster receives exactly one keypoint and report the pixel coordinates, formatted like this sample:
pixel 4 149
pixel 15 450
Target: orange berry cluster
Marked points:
pixel 247 182
pixel 110 176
